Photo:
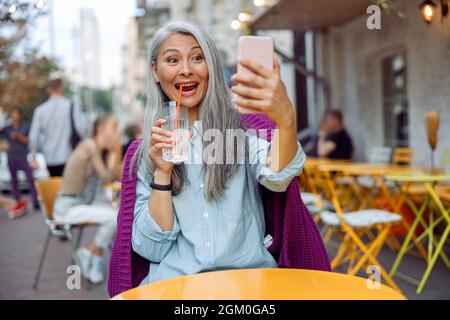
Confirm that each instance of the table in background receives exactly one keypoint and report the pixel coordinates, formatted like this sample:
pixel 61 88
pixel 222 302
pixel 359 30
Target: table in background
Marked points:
pixel 430 183
pixel 374 171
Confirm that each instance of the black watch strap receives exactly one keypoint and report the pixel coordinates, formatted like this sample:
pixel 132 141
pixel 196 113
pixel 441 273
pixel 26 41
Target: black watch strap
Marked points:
pixel 161 187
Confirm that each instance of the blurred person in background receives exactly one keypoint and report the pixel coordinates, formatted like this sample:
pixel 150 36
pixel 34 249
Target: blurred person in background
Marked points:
pixel 132 133
pixel 95 161
pixel 333 140
pixel 16 136
pixel 51 128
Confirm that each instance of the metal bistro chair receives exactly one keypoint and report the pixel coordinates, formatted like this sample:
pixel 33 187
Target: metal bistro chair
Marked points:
pixel 380 155
pixel 316 202
pixel 403 156
pixel 47 190
pixel 359 246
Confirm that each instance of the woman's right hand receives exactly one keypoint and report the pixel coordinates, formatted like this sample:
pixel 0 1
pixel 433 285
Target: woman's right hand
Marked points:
pixel 160 139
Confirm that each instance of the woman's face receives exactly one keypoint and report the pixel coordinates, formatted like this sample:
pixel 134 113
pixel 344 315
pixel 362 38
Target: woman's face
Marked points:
pixel 181 62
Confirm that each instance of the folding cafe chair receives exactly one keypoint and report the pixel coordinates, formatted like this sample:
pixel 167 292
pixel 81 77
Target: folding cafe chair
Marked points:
pixel 363 233
pixel 316 202
pixel 47 190
pixel 313 197
pixel 403 156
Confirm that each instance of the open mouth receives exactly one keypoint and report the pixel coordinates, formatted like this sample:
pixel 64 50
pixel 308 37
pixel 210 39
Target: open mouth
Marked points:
pixel 189 88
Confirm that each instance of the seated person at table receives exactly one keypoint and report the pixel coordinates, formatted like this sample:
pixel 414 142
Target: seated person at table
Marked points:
pixel 94 161
pixel 333 140
pixel 310 147
pixel 196 217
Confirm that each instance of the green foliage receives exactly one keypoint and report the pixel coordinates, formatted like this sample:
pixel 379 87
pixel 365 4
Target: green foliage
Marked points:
pixel 24 76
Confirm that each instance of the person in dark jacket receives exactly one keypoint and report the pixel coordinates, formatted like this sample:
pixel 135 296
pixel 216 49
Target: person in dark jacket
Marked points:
pixel 333 140
pixel 16 136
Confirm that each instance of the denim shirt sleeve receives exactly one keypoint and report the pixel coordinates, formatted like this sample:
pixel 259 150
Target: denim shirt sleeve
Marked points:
pixel 148 239
pixel 274 181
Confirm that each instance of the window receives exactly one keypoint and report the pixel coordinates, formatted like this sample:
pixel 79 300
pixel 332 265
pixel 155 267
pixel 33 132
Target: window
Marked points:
pixel 395 101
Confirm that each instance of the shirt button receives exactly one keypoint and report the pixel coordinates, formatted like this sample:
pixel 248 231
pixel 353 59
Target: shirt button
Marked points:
pixel 206 215
pixel 208 244
pixel 201 185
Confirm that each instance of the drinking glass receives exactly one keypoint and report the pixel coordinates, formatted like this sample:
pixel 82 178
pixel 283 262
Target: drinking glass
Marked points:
pixel 177 123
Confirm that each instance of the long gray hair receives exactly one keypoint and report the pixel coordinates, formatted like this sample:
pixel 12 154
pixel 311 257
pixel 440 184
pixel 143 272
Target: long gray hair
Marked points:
pixel 215 111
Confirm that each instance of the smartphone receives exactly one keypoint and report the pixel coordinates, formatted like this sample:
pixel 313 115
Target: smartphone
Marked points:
pixel 257 49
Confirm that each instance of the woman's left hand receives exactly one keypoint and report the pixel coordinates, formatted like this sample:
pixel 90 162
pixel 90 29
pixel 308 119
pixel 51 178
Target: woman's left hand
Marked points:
pixel 262 91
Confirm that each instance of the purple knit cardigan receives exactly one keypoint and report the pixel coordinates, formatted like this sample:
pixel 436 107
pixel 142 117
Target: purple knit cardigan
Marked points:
pixel 296 240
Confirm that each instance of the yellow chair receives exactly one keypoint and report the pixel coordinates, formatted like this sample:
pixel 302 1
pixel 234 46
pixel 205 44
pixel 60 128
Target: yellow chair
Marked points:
pixel 47 190
pixel 362 232
pixel 403 156
pixel 317 201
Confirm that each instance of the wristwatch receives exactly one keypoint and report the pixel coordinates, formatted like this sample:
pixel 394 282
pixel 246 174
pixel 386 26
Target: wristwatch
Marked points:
pixel 161 187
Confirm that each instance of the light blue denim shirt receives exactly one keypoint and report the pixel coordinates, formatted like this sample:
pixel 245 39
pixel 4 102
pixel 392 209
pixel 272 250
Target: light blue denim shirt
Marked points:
pixel 218 235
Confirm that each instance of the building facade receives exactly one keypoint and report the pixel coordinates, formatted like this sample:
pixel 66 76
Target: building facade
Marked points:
pixel 214 16
pixel 384 80
pixel 89 44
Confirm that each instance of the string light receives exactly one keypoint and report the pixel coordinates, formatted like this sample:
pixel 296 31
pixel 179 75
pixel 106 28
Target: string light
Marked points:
pixel 244 17
pixel 235 24
pixel 428 9
pixel 258 3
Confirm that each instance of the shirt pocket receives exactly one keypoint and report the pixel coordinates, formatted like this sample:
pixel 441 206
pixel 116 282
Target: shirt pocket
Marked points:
pixel 237 204
pixel 240 211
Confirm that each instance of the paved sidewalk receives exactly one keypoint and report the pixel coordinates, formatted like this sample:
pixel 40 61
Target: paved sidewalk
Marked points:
pixel 22 240
pixel 21 244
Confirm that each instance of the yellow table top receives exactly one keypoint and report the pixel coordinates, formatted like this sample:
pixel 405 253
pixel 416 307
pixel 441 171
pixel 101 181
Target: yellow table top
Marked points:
pixel 315 162
pixel 417 177
pixel 262 284
pixel 367 168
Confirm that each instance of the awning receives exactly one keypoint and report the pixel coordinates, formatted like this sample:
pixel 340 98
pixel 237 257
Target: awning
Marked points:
pixel 303 15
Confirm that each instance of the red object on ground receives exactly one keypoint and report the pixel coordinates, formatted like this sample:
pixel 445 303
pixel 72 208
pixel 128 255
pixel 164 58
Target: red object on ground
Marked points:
pixel 406 213
pixel 18 210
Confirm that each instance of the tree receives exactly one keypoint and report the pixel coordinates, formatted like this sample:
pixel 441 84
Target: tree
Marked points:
pixel 23 82
pixel 24 74
pixel 15 18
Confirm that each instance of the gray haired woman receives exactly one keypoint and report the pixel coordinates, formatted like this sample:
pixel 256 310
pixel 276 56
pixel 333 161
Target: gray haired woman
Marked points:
pixel 191 218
